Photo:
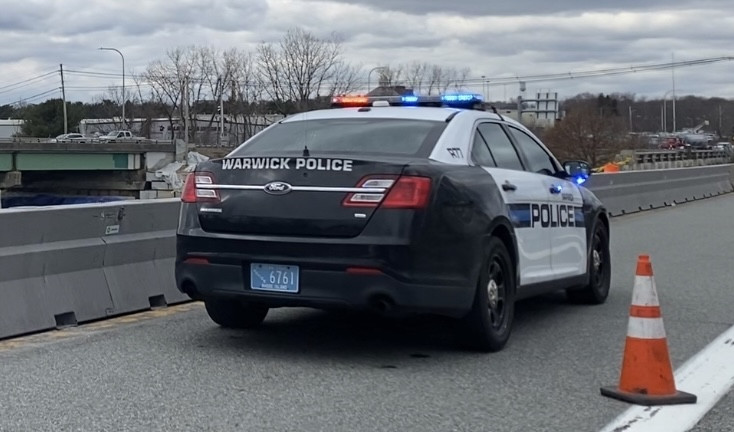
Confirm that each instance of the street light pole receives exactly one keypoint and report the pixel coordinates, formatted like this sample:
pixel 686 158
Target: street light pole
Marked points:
pixel 665 111
pixel 124 123
pixel 672 64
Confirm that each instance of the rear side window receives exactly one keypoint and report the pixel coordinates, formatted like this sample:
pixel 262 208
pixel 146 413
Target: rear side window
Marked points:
pixel 538 160
pixel 503 151
pixel 405 137
pixel 480 152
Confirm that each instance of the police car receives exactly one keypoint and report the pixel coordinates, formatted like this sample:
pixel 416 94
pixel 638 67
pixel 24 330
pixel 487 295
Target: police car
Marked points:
pixel 393 204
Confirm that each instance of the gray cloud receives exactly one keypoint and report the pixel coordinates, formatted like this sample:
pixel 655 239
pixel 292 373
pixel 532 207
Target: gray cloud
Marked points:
pixel 491 38
pixel 528 7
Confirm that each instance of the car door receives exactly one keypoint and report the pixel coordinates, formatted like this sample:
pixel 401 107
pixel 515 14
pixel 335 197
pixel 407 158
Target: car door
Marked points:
pixel 566 224
pixel 525 195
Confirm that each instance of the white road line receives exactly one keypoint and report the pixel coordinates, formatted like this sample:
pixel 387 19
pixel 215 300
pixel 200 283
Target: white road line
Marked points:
pixel 709 375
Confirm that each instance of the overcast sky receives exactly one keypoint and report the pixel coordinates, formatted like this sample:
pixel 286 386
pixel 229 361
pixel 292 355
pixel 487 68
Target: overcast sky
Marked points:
pixel 492 38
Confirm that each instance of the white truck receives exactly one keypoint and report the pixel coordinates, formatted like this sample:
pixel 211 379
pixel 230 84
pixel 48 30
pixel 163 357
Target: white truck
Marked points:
pixel 118 135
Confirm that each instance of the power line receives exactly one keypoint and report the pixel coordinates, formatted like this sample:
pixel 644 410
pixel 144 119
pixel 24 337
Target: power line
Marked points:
pixel 468 81
pixel 504 80
pixel 80 88
pixel 29 98
pixel 93 73
pixel 25 83
pixel 27 80
pixel 598 72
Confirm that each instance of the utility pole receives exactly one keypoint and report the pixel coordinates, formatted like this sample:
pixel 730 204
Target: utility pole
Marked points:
pixel 185 102
pixel 220 84
pixel 630 110
pixel 672 64
pixel 63 97
pixel 662 118
pixel 221 119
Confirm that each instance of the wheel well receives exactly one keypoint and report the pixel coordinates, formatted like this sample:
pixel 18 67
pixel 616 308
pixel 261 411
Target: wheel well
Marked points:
pixel 605 221
pixel 503 233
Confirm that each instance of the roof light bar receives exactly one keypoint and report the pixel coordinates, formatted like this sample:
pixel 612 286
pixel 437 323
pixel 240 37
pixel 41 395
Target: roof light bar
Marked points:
pixel 454 100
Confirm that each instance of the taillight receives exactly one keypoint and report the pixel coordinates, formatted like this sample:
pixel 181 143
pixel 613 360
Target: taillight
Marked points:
pixel 195 188
pixel 408 192
pixel 374 191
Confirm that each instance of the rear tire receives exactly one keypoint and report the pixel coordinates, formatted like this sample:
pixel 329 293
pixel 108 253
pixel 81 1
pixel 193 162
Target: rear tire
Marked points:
pixel 488 325
pixel 232 313
pixel 600 271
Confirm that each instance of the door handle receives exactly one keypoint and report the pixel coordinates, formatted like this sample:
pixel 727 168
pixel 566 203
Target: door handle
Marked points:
pixel 507 186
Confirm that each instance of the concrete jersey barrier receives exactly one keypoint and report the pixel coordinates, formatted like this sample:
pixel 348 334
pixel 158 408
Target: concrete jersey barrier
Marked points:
pixel 634 191
pixel 68 264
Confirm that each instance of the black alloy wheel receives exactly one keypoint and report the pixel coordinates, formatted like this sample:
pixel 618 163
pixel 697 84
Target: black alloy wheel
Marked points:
pixel 488 325
pixel 599 268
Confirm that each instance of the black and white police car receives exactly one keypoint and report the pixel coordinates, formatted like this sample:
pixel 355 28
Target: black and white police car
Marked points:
pixel 396 204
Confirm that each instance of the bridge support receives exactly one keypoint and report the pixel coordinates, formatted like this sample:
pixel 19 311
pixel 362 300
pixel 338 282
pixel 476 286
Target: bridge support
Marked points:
pixel 9 179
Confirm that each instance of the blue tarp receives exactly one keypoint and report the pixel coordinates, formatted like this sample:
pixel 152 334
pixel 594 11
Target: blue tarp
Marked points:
pixel 49 200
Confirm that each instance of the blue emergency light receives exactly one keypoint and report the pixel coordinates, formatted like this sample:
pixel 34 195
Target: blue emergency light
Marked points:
pixel 461 97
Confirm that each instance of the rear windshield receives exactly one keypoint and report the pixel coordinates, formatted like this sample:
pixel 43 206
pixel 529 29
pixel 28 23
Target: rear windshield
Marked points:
pixel 406 137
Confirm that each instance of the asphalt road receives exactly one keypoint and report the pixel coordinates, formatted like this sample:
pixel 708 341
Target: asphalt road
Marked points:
pixel 173 369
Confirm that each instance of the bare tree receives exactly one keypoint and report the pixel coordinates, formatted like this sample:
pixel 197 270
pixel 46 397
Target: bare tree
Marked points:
pixel 169 80
pixel 588 133
pixel 300 69
pixel 425 78
pixel 345 79
pixel 245 94
pixel 391 76
pixel 415 75
pixel 115 94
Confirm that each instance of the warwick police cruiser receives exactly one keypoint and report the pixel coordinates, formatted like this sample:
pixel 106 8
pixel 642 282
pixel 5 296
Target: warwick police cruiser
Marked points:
pixel 394 204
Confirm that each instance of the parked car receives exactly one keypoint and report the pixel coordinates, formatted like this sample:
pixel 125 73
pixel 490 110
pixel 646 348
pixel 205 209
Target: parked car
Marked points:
pixel 69 137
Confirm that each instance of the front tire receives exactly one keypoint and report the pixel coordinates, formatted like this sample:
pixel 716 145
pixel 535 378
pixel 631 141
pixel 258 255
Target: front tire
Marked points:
pixel 232 313
pixel 600 271
pixel 488 325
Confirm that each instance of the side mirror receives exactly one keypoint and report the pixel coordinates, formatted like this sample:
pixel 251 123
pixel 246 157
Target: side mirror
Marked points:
pixel 579 171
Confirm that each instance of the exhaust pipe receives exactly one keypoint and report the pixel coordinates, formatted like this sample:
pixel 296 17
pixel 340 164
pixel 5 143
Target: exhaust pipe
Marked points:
pixel 382 304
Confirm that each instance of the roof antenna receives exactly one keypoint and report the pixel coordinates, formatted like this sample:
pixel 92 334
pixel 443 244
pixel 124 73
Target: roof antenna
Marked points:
pixel 306 153
pixel 494 110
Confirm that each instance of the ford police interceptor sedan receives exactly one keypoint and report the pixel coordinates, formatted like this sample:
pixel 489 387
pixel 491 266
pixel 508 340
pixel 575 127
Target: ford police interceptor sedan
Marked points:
pixel 431 208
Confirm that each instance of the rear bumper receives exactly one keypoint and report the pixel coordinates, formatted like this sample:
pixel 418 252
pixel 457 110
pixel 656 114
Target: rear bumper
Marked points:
pixel 325 280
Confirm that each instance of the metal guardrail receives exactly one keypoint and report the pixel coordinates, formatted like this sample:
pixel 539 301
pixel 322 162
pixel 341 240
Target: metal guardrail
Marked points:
pixel 645 156
pixel 68 264
pixel 44 145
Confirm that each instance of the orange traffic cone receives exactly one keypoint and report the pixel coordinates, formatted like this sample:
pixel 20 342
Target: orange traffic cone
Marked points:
pixel 647 373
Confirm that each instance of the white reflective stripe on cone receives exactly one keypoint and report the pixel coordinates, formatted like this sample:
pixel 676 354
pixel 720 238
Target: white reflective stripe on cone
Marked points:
pixel 645 292
pixel 646 328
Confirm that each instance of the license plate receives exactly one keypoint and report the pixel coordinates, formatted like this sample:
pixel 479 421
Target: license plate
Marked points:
pixel 271 277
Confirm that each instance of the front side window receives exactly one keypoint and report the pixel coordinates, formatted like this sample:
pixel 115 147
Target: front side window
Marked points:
pixel 539 161
pixel 500 146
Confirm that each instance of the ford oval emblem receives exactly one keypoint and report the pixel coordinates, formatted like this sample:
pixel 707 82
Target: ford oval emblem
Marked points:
pixel 277 188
